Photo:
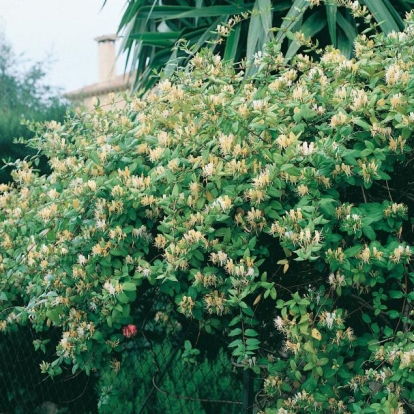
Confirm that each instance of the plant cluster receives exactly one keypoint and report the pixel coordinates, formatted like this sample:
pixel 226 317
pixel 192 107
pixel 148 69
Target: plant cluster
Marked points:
pixel 273 208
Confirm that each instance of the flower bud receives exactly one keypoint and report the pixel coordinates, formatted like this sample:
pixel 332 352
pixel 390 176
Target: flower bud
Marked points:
pixel 129 331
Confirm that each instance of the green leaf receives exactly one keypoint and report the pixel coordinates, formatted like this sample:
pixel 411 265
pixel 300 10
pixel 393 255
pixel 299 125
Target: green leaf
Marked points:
pixel 122 297
pixel 331 13
pixel 146 36
pixel 383 16
pixel 320 397
pixel 259 31
pixel 352 251
pixel 198 255
pixel 309 366
pixel 95 157
pixel 375 328
pixel 346 36
pixel 235 320
pixel 369 232
pixel 298 375
pixel 396 294
pixel 313 25
pixel 366 318
pixel 363 124
pixel 235 343
pixel 232 44
pixel 348 28
pixel 166 12
pixel 97 335
pixel 129 286
pixel 53 315
pixel 235 332
pixel 252 341
pixel 295 12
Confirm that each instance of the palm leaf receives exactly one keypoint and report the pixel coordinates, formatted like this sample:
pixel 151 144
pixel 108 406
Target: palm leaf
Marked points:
pixel 347 35
pixel 259 30
pixel 232 44
pixel 148 48
pixel 295 12
pixel 395 14
pixel 331 13
pixel 184 12
pixel 382 15
pixel 348 28
pixel 313 25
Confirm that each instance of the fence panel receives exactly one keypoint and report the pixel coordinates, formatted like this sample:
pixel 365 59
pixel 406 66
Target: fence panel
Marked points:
pixel 170 366
pixel 24 390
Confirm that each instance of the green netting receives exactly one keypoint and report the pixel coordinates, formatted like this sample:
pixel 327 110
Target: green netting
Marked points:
pixel 161 372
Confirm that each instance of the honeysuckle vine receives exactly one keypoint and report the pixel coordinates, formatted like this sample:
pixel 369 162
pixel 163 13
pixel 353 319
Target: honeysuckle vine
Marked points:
pixel 269 209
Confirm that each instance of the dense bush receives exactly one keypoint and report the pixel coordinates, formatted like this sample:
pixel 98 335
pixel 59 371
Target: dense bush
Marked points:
pixel 274 209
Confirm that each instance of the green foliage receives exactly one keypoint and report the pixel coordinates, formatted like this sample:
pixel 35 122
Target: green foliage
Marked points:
pixel 273 209
pixel 23 96
pixel 240 29
pixel 182 389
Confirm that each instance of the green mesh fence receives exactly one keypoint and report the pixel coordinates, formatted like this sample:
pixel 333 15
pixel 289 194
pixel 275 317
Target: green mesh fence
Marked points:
pixel 23 389
pixel 169 366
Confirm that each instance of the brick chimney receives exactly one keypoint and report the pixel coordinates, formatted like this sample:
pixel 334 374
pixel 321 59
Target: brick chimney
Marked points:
pixel 107 57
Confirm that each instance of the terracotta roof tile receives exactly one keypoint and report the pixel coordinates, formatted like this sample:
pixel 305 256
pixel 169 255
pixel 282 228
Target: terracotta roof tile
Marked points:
pixel 118 84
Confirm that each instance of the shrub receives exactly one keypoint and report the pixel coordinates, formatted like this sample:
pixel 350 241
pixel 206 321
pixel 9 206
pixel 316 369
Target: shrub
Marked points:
pixel 270 209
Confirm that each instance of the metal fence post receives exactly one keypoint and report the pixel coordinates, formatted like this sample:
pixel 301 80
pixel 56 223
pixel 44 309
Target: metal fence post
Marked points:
pixel 247 392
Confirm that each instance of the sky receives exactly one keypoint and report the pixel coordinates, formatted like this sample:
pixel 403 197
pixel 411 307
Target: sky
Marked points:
pixel 61 32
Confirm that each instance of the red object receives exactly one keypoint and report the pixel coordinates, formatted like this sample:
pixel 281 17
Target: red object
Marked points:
pixel 129 331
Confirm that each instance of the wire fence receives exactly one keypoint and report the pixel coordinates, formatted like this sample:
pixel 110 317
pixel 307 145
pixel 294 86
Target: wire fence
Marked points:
pixel 170 366
pixel 24 389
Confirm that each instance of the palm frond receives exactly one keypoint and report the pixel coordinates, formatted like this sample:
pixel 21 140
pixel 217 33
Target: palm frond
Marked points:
pixel 151 29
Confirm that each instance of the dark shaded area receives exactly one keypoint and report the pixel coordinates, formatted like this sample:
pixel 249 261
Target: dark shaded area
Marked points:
pixel 171 366
pixel 25 390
